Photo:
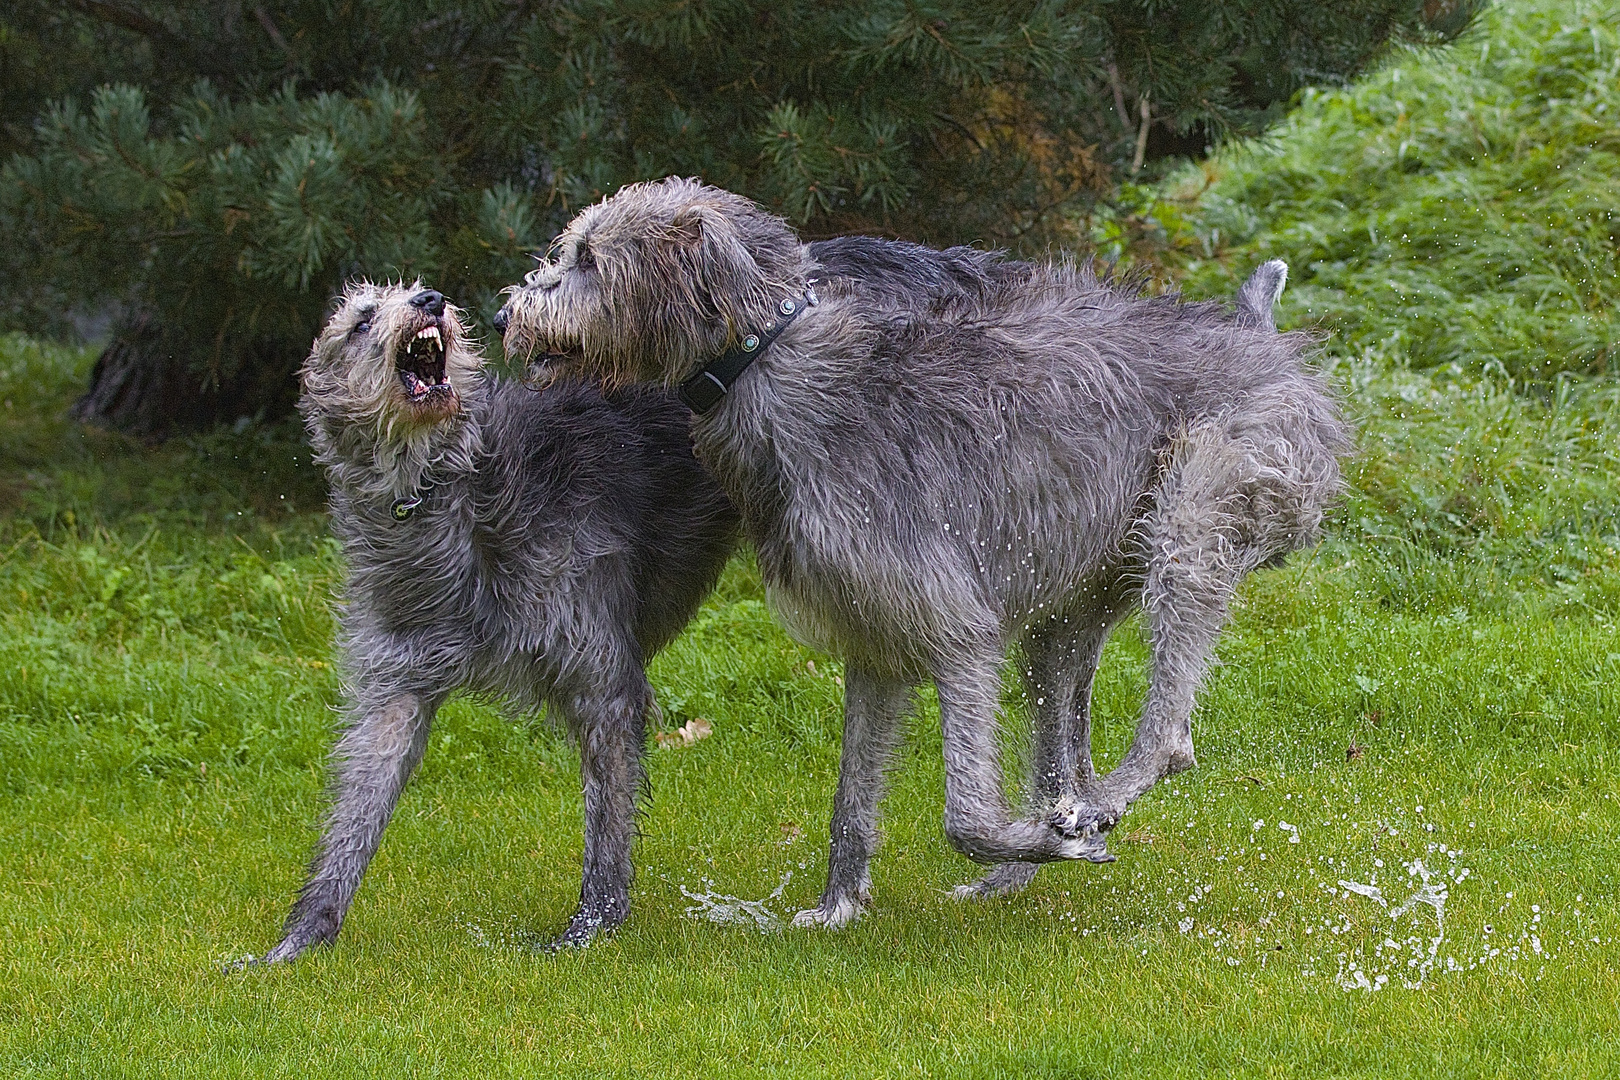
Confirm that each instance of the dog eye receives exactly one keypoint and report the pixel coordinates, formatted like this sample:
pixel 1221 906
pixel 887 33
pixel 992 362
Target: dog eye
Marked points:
pixel 362 327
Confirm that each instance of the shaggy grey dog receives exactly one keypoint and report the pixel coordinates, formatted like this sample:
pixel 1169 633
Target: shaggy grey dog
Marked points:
pixel 943 454
pixel 538 547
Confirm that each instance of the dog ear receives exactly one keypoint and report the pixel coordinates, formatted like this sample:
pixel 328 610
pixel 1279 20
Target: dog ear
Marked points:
pixel 686 226
pixel 714 251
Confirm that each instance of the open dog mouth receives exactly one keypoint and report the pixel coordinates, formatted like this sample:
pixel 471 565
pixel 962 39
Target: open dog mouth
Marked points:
pixel 421 365
pixel 551 360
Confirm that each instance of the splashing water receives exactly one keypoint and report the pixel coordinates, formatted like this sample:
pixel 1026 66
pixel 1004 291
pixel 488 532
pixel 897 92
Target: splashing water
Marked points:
pixel 734 911
pixel 1420 953
pixel 514 934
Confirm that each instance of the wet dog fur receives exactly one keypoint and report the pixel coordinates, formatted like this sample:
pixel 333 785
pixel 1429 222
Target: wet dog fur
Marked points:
pixel 533 547
pixel 951 454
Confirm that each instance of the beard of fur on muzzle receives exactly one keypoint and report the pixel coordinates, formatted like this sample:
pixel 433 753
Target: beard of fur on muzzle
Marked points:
pixel 555 339
pixel 623 365
pixel 541 363
pixel 540 373
pixel 546 361
pixel 543 366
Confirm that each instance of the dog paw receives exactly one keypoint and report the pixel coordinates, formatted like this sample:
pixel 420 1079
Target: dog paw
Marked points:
pixel 310 925
pixel 582 929
pixel 831 915
pixel 575 937
pixel 291 948
pixel 1092 847
pixel 240 964
pixel 1082 819
pixel 1083 831
pixel 1004 879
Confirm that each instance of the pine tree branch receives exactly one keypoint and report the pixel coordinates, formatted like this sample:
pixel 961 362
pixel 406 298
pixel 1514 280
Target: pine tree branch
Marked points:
pixel 1142 134
pixel 275 35
pixel 1119 96
pixel 961 128
pixel 160 35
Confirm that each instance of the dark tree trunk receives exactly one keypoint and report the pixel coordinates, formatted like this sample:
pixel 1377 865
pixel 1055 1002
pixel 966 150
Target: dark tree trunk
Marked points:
pixel 151 386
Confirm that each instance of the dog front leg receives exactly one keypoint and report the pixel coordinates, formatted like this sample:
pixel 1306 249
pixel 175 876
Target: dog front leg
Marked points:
pixel 371 763
pixel 612 736
pixel 873 707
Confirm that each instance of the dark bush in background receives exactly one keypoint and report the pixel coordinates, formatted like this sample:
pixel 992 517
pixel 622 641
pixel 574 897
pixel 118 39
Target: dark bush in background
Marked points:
pixel 207 173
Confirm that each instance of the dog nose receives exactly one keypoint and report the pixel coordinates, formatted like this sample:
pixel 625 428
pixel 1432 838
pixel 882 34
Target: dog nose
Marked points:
pixel 503 318
pixel 430 301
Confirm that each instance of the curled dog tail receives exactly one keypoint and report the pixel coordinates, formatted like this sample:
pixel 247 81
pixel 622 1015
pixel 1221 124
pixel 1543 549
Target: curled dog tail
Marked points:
pixel 1260 293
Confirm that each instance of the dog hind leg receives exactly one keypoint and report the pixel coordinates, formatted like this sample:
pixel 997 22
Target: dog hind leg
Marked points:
pixel 873 708
pixel 1063 659
pixel 1203 535
pixel 977 822
pixel 372 762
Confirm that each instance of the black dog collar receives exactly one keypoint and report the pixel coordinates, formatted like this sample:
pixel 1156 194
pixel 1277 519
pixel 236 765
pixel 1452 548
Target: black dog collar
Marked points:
pixel 704 390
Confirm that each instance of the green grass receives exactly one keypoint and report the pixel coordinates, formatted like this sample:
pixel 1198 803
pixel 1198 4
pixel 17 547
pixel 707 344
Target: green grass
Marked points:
pixel 164 694
pixel 1456 212
pixel 1430 695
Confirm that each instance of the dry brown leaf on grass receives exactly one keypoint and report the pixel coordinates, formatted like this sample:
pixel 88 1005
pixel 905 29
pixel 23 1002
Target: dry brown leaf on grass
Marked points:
pixel 687 734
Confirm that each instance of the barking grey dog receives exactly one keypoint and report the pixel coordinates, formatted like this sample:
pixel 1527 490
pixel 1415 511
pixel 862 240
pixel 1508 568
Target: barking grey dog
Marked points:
pixel 941 455
pixel 537 547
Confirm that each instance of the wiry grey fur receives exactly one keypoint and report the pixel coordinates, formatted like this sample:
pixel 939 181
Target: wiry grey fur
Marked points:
pixel 952 454
pixel 561 540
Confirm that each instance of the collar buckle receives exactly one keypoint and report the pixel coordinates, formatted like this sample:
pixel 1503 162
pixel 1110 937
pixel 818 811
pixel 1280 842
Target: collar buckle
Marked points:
pixel 402 509
pixel 712 382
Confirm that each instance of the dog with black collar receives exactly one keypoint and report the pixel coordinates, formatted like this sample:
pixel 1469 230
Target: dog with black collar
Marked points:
pixel 951 455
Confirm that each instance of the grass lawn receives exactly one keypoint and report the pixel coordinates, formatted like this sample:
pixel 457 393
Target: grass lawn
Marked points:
pixel 1438 901
pixel 1396 856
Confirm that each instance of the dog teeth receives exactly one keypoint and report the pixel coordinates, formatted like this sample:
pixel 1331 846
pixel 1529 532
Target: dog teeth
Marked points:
pixel 430 332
